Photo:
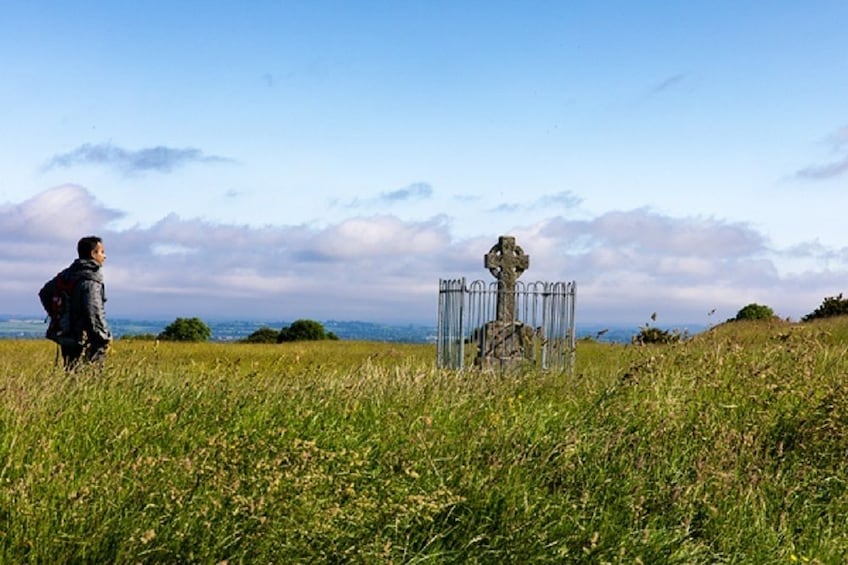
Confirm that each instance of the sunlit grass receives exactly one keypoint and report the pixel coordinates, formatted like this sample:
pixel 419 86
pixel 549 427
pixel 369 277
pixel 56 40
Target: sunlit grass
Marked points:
pixel 729 447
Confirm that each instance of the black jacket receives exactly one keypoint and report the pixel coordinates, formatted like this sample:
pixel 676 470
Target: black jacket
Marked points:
pixel 88 301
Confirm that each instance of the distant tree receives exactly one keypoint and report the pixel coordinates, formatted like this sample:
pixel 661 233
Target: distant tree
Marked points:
pixel 755 312
pixel 304 330
pixel 262 335
pixel 186 329
pixel 830 306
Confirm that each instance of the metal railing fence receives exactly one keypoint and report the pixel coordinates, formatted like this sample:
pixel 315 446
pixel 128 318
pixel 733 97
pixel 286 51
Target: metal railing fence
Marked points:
pixel 541 333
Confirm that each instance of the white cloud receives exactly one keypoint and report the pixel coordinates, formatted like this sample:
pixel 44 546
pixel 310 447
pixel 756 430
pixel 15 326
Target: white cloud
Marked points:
pixel 58 214
pixel 650 232
pixel 171 249
pixel 377 237
pixel 627 264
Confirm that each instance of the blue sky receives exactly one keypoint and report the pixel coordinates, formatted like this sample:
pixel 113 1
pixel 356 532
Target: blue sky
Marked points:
pixel 335 159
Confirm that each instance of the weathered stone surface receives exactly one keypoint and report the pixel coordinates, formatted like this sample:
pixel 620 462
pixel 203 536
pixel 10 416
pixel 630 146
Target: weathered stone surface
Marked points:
pixel 506 261
pixel 505 340
pixel 505 345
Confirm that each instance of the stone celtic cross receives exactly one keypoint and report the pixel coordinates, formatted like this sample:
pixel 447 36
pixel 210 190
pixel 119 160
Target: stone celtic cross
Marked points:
pixel 506 261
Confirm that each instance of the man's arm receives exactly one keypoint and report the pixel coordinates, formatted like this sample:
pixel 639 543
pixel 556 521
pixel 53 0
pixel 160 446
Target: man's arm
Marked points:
pixel 93 296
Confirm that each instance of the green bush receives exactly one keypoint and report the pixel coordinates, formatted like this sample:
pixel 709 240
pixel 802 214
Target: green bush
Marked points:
pixel 755 312
pixel 262 335
pixel 653 334
pixel 304 330
pixel 830 306
pixel 186 329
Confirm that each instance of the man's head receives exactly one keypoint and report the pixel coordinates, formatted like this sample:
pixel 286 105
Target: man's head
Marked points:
pixel 91 247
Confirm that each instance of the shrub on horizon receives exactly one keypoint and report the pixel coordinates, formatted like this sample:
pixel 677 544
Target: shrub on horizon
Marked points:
pixel 755 311
pixel 186 329
pixel 305 330
pixel 653 334
pixel 262 335
pixel 830 306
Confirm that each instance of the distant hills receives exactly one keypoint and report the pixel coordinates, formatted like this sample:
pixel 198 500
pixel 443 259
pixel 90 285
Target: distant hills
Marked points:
pixel 232 330
pixel 12 327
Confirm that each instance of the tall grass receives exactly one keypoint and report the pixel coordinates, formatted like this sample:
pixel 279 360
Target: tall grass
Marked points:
pixel 727 448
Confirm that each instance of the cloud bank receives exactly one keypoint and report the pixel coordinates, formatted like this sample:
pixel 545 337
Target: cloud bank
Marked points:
pixel 627 264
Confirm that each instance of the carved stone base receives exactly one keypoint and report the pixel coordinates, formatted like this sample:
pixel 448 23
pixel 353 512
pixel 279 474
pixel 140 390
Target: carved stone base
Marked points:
pixel 504 345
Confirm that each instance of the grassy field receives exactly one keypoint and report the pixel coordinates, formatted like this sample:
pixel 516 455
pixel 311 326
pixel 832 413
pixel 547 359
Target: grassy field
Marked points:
pixel 730 447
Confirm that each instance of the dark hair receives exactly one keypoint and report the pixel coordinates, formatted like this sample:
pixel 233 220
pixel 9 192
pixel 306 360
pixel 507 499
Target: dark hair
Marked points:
pixel 87 245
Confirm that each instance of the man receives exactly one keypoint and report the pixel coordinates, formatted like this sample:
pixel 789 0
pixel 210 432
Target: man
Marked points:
pixel 87 308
